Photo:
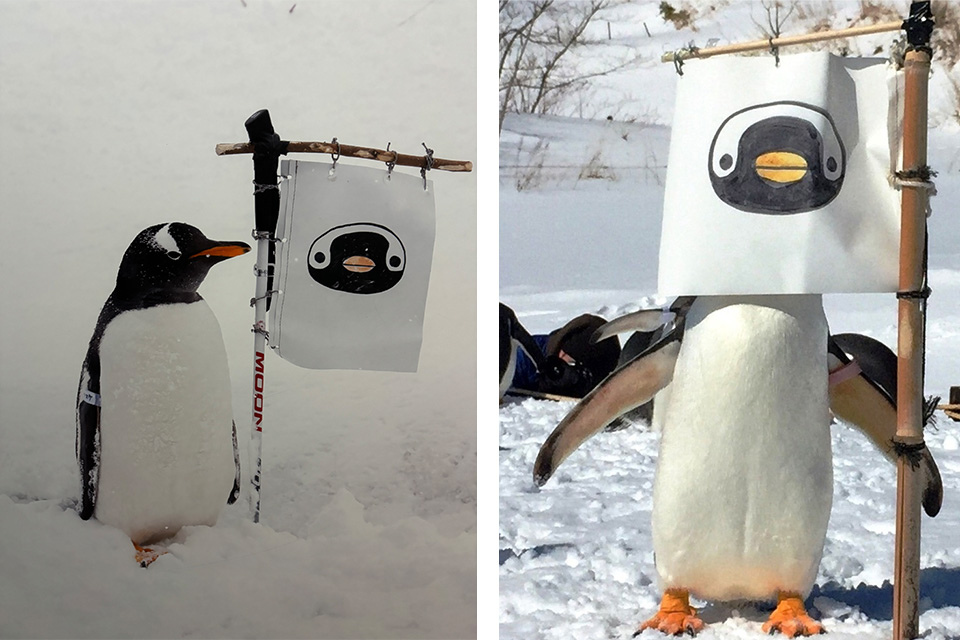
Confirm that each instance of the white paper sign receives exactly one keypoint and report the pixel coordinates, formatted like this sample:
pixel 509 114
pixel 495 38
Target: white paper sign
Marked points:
pixel 353 267
pixel 778 178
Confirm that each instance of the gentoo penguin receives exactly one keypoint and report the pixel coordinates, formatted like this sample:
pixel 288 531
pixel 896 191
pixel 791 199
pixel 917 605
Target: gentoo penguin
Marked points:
pixel 512 337
pixel 357 258
pixel 743 490
pixel 156 443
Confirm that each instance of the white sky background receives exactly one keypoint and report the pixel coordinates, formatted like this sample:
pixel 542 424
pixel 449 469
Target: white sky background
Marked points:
pixel 109 114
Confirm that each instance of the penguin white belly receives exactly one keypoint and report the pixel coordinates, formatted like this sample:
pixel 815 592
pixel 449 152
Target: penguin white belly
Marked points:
pixel 166 448
pixel 744 479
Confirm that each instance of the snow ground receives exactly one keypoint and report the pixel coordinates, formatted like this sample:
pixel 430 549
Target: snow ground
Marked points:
pixel 109 114
pixel 575 556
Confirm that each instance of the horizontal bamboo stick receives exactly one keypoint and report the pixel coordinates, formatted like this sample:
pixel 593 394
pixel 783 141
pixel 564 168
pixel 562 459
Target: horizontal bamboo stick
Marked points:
pixel 367 153
pixel 758 45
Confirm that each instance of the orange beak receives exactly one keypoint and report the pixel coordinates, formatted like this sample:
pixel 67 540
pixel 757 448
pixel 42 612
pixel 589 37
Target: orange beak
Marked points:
pixel 228 250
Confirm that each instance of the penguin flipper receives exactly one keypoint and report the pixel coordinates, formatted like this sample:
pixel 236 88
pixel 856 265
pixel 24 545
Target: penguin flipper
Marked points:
pixel 645 320
pixel 88 446
pixel 864 403
pixel 235 492
pixel 626 388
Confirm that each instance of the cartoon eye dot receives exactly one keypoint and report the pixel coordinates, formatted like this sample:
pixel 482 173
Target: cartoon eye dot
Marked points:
pixel 778 158
pixel 361 258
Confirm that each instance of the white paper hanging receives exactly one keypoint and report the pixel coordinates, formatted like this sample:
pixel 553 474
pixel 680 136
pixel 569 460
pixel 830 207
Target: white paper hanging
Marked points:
pixel 353 267
pixel 778 178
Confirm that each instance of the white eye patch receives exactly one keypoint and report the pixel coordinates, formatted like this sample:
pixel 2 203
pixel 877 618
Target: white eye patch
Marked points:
pixel 166 242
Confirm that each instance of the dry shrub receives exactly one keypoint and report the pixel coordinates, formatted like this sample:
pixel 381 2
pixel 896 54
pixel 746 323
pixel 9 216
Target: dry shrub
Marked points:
pixel 597 169
pixel 682 18
pixel 877 11
pixel 946 33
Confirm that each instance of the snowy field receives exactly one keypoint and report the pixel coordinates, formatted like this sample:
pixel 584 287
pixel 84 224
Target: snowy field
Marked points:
pixel 576 558
pixel 109 114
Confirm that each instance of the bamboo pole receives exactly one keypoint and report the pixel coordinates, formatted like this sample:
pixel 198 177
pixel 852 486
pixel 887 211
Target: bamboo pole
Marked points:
pixel 760 45
pixel 366 153
pixel 913 208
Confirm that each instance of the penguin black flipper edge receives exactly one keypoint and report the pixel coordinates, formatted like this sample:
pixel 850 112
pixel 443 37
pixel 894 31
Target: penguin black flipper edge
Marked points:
pixel 235 492
pixel 88 435
pixel 867 401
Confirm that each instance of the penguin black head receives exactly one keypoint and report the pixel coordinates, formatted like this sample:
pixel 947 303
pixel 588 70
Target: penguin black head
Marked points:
pixel 778 158
pixel 357 258
pixel 172 257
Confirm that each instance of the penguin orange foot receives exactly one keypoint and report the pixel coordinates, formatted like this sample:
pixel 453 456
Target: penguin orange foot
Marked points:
pixel 146 556
pixel 790 618
pixel 675 616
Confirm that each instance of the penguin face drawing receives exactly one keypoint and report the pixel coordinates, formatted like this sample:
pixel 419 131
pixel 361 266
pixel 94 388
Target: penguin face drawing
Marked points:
pixel 779 158
pixel 359 258
pixel 171 257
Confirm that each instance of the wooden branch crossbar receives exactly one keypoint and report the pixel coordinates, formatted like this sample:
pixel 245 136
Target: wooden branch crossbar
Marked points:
pixel 759 45
pixel 366 153
pixel 952 411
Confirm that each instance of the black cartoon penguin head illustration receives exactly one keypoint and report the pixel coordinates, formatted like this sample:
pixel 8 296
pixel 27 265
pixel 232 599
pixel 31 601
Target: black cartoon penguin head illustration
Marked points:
pixel 778 158
pixel 357 258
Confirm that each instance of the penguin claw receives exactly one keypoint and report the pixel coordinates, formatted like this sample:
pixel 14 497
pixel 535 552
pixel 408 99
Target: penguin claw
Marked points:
pixel 675 617
pixel 790 618
pixel 802 626
pixel 674 624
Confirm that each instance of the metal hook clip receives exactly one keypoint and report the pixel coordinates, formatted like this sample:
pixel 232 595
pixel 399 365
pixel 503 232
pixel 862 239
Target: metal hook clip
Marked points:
pixel 391 163
pixel 335 155
pixel 427 164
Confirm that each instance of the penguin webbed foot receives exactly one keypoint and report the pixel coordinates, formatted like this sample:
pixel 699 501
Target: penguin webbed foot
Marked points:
pixel 145 556
pixel 675 617
pixel 791 619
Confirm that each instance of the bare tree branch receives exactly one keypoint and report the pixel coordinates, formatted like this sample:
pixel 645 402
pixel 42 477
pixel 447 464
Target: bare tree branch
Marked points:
pixel 537 40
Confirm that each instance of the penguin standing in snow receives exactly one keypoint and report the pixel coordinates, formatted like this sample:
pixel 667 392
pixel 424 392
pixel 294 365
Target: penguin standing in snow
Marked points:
pixel 156 442
pixel 743 485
